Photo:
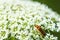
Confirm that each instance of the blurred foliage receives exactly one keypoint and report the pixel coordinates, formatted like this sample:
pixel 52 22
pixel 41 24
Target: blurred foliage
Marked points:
pixel 57 34
pixel 54 4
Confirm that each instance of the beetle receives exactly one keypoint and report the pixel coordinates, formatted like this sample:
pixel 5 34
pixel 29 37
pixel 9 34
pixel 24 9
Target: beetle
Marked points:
pixel 40 30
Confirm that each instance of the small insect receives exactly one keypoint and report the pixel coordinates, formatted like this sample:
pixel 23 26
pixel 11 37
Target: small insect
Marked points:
pixel 40 30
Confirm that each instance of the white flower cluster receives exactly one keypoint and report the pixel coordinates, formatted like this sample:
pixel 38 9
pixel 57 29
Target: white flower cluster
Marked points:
pixel 19 17
pixel 50 37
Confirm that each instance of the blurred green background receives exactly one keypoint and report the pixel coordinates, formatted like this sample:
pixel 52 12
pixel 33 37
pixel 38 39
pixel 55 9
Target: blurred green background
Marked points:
pixel 54 4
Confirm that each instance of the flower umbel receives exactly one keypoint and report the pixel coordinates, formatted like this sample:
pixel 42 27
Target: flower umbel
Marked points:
pixel 18 17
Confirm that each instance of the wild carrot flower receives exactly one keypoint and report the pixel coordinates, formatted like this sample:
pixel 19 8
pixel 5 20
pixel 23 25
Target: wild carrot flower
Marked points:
pixel 18 17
